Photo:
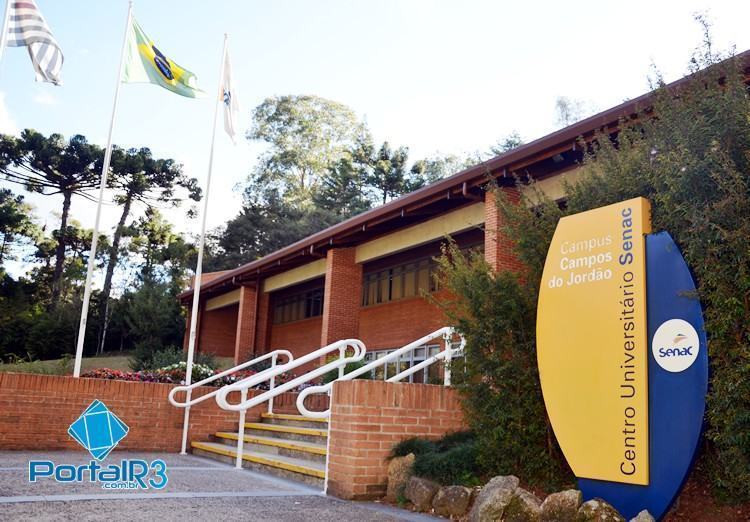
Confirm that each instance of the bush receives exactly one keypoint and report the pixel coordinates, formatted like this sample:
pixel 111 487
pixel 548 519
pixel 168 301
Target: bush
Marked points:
pixel 449 460
pixel 144 357
pixel 413 445
pixel 455 465
pixel 498 378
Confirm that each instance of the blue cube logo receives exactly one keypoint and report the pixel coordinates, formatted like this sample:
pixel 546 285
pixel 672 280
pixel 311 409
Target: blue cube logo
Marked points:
pixel 98 430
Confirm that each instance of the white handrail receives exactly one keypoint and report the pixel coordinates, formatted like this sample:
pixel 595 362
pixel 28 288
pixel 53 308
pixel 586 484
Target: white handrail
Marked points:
pixel 446 355
pixel 272 355
pixel 341 346
pixel 445 332
pixel 242 386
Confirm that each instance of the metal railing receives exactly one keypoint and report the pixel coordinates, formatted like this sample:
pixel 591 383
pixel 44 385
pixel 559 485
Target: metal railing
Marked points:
pixel 349 350
pixel 447 333
pixel 187 389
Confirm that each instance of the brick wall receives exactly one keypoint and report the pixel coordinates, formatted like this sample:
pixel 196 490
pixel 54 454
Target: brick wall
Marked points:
pixel 244 342
pixel 394 324
pixel 263 322
pixel 36 411
pixel 369 417
pixel 342 301
pixel 299 337
pixel 497 248
pixel 217 331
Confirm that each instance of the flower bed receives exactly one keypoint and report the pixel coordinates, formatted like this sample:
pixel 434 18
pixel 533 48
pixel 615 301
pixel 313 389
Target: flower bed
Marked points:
pixel 175 374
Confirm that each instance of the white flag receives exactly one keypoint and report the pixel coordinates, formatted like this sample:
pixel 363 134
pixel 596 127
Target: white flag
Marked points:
pixel 229 98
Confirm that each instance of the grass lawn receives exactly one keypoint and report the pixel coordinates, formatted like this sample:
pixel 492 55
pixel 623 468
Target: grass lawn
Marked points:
pixel 65 366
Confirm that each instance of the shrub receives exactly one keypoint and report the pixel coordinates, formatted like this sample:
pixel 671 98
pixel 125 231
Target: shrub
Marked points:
pixel 413 445
pixel 455 465
pixel 449 460
pixel 144 357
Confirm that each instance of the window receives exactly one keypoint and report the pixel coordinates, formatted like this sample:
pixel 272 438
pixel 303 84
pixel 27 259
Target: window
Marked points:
pixel 432 374
pixel 298 306
pixel 399 282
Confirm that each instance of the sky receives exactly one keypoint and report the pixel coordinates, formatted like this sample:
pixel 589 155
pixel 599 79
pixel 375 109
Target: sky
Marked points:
pixel 436 76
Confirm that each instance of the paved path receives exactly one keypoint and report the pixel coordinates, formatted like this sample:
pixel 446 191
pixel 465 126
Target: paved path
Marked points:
pixel 198 489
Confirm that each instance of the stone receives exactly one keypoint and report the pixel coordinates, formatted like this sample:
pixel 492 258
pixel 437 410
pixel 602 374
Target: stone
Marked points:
pixel 524 506
pixel 597 510
pixel 643 516
pixel 420 492
pixel 493 499
pixel 562 506
pixel 399 473
pixel 452 501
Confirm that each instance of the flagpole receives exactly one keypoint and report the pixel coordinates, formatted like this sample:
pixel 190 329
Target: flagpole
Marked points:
pixel 199 267
pixel 4 35
pixel 102 185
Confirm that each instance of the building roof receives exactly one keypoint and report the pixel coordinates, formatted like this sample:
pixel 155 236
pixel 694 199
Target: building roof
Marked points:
pixel 550 155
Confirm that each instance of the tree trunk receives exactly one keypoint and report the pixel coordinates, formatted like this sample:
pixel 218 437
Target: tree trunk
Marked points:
pixel 111 264
pixel 60 249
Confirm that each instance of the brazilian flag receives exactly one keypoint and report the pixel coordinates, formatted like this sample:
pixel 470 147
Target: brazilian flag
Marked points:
pixel 145 63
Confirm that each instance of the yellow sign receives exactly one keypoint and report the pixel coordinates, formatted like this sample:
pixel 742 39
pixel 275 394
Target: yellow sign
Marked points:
pixel 592 341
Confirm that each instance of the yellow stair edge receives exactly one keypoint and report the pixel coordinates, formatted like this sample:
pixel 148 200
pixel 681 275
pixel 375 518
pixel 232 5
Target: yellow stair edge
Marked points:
pixel 230 452
pixel 286 429
pixel 287 416
pixel 279 443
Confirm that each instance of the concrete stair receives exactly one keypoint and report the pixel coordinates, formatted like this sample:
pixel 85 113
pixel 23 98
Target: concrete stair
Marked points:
pixel 288 446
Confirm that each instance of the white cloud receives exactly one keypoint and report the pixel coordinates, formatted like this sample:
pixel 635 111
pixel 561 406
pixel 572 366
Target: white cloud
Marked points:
pixel 44 98
pixel 7 124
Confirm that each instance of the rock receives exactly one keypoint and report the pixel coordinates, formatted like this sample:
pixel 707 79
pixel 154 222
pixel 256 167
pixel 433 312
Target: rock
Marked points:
pixel 643 516
pixel 399 473
pixel 452 501
pixel 523 507
pixel 597 510
pixel 562 506
pixel 420 492
pixel 493 499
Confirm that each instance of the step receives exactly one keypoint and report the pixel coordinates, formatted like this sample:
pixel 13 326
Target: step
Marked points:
pixel 286 432
pixel 276 446
pixel 285 419
pixel 312 473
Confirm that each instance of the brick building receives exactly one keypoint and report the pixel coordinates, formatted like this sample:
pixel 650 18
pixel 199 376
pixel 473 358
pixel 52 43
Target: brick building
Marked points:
pixel 362 278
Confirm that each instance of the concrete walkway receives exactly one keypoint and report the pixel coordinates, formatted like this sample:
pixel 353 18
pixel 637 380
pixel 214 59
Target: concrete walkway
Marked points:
pixel 198 489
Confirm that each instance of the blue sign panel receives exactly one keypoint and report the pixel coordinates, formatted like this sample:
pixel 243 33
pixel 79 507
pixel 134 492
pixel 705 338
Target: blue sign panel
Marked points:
pixel 678 382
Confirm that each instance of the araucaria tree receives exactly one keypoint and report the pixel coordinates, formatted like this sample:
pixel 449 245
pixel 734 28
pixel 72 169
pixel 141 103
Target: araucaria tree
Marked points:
pixel 50 166
pixel 138 177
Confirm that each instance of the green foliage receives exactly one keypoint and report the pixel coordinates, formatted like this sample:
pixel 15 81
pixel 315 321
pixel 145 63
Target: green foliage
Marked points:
pixel 16 223
pixel 145 358
pixel 692 161
pixel 498 378
pixel 455 465
pixel 52 166
pixel 306 135
pixel 414 445
pixel 452 459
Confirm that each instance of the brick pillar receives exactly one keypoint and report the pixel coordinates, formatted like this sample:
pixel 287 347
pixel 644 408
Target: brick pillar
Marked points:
pixel 186 337
pixel 498 250
pixel 244 339
pixel 343 296
pixel 262 325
